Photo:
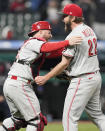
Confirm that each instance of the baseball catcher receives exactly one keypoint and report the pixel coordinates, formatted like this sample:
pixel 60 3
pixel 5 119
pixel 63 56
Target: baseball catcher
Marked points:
pixel 18 91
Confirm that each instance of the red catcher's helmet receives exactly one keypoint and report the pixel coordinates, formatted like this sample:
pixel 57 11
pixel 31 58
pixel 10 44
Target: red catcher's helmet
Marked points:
pixel 73 10
pixel 40 25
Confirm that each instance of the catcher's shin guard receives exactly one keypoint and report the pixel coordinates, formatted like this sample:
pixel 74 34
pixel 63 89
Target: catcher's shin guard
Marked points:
pixel 8 129
pixel 13 124
pixel 38 122
pixel 8 125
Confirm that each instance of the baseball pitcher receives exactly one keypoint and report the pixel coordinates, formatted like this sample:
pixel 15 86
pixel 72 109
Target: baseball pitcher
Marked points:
pixel 82 64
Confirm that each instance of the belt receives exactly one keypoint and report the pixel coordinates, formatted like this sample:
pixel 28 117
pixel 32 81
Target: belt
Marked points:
pixel 84 74
pixel 19 78
pixel 22 62
pixel 90 73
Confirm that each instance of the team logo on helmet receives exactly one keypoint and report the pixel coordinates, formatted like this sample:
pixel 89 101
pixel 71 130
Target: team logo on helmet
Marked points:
pixel 38 27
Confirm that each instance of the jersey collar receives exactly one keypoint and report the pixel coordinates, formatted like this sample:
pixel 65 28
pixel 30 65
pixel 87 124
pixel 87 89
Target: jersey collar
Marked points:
pixel 78 26
pixel 39 38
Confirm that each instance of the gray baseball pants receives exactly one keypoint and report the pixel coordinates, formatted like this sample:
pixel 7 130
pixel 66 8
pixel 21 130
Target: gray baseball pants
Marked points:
pixel 22 101
pixel 83 94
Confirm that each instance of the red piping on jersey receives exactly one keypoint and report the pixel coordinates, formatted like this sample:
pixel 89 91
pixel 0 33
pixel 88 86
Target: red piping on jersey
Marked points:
pixel 28 99
pixel 53 46
pixel 38 38
pixel 72 103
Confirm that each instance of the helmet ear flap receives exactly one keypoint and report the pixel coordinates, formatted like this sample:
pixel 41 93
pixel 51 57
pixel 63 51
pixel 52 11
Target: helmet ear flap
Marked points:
pixel 30 34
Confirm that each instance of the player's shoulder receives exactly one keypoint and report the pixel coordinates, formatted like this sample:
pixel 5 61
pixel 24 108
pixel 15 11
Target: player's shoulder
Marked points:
pixel 83 30
pixel 80 28
pixel 78 31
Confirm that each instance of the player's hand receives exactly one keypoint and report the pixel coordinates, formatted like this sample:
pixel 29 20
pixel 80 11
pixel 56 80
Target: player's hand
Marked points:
pixel 40 80
pixel 75 40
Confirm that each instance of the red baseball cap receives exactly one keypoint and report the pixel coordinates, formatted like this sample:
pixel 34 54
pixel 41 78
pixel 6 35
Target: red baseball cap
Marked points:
pixel 73 10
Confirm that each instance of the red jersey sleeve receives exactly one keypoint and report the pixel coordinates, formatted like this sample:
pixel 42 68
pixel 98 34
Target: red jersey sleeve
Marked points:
pixel 53 46
pixel 55 54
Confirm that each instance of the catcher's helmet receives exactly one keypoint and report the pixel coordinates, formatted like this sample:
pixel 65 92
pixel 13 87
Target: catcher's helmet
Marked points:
pixel 40 25
pixel 73 10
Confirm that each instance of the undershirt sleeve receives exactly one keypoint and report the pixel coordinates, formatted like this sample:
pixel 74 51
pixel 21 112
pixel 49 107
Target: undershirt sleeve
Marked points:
pixel 55 54
pixel 53 46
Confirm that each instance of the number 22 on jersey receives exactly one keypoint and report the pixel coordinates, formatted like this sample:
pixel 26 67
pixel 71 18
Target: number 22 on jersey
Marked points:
pixel 92 47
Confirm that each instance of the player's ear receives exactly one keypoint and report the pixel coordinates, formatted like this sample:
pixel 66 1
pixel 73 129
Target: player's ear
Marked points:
pixel 40 31
pixel 73 18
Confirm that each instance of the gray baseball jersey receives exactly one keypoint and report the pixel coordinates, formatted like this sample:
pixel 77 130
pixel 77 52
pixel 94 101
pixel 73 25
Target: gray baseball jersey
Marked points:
pixel 29 52
pixel 84 56
pixel 84 90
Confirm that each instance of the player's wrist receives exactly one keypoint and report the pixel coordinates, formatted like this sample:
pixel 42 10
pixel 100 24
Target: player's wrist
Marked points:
pixel 48 76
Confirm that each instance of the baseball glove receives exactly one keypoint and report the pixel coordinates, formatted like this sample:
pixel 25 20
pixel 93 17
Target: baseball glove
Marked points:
pixel 63 76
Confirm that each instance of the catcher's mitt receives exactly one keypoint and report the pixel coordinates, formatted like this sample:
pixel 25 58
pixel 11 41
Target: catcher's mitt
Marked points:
pixel 63 76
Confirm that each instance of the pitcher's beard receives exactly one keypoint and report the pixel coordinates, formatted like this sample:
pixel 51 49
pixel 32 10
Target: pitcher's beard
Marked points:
pixel 68 27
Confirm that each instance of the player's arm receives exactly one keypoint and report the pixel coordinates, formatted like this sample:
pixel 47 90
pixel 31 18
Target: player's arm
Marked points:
pixel 40 80
pixel 55 54
pixel 53 46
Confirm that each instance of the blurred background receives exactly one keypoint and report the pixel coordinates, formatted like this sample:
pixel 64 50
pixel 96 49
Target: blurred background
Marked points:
pixel 16 18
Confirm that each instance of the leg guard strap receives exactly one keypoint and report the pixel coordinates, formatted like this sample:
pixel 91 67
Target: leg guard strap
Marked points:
pixel 36 125
pixel 34 119
pixel 8 129
pixel 19 123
